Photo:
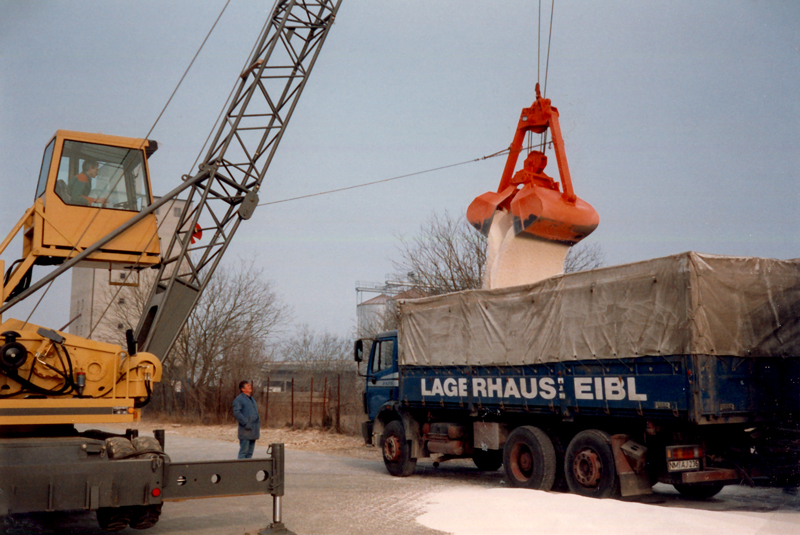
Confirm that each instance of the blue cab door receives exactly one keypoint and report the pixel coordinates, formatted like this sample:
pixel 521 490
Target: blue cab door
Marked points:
pixel 383 378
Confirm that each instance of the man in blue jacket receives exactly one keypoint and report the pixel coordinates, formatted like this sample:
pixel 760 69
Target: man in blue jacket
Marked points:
pixel 245 411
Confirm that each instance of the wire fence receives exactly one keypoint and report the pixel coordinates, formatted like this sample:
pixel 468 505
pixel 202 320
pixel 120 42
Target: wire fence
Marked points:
pixel 329 401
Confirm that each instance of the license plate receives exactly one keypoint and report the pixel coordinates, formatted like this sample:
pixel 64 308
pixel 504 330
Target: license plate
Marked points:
pixel 682 466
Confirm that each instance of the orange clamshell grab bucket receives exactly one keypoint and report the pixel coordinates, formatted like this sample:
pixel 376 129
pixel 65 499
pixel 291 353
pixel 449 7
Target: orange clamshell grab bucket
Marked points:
pixel 538 205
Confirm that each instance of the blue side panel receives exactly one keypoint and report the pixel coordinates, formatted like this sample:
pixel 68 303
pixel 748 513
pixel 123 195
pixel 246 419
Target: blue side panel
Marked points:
pixel 637 386
pixel 727 387
pixel 703 389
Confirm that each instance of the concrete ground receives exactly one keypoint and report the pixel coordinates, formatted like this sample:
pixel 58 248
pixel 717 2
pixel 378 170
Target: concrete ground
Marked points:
pixel 336 494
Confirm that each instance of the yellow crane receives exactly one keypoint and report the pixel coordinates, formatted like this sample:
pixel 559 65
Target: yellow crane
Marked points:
pixel 94 207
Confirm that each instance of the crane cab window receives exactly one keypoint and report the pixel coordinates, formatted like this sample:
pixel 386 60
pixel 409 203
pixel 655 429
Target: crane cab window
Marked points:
pixel 384 351
pixel 102 176
pixel 48 155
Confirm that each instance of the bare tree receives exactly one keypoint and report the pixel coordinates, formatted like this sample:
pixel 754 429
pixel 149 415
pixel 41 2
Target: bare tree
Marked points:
pixel 583 257
pixel 447 255
pixel 382 321
pixel 230 335
pixel 313 351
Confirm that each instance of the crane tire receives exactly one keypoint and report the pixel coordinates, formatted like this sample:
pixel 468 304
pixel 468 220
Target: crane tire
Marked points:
pixel 145 516
pixel 113 518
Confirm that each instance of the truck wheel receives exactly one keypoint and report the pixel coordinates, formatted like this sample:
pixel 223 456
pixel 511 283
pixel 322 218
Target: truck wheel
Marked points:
pixel 145 516
pixel 529 459
pixel 589 465
pixel 488 461
pixel 396 450
pixel 699 491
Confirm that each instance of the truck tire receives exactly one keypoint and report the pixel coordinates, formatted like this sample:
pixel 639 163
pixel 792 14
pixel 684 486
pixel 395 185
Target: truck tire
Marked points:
pixel 589 465
pixel 488 461
pixel 145 516
pixel 529 459
pixel 699 491
pixel 396 450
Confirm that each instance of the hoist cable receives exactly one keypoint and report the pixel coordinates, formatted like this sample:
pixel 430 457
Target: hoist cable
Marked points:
pixel 547 64
pixel 549 38
pixel 158 118
pixel 205 143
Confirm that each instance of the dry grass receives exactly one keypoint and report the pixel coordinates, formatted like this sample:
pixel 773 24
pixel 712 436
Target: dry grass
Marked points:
pixel 311 439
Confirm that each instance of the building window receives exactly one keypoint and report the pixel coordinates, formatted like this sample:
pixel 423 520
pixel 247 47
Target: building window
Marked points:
pixel 121 301
pixel 176 212
pixel 122 276
pixel 120 326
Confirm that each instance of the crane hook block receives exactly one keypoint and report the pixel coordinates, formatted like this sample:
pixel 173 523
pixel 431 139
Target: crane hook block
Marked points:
pixel 540 206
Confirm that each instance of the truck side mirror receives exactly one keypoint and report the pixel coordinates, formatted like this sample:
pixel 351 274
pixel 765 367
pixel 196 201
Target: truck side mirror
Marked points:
pixel 358 351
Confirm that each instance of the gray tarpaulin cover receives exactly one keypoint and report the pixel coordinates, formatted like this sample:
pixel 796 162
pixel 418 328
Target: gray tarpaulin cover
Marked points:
pixel 688 303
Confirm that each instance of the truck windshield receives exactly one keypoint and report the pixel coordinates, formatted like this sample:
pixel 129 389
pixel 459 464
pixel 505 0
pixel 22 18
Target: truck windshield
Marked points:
pixel 100 175
pixel 384 351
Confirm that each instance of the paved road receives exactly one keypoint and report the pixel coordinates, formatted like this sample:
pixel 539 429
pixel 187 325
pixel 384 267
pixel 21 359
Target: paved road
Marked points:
pixel 329 494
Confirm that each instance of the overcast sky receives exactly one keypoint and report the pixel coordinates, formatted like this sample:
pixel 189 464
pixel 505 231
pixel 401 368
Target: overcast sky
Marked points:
pixel 681 121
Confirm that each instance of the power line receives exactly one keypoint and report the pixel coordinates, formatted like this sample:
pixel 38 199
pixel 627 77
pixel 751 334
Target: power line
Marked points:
pixel 398 177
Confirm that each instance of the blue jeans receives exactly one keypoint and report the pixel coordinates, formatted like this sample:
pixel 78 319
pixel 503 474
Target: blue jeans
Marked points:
pixel 246 448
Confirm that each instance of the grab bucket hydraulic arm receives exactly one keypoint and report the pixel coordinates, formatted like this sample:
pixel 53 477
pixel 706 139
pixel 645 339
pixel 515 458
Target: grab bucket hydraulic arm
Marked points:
pixel 539 207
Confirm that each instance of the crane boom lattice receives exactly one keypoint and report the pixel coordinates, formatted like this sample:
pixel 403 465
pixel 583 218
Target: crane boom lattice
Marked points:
pixel 224 191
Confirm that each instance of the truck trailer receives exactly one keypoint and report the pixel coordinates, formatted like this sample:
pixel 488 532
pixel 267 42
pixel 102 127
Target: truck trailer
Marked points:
pixel 682 370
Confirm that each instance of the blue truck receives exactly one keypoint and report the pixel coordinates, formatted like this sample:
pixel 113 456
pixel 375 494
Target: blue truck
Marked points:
pixel 682 370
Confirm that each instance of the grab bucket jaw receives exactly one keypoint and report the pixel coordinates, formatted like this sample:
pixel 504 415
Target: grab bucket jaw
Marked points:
pixel 539 207
pixel 544 213
pixel 481 211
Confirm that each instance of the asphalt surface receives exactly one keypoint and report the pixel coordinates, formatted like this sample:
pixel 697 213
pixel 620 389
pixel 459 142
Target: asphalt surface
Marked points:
pixel 331 494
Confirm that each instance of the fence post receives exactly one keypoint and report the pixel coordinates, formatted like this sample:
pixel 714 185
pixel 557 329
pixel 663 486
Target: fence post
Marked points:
pixel 219 401
pixel 292 403
pixel 325 400
pixel 311 404
pixel 266 405
pixel 338 402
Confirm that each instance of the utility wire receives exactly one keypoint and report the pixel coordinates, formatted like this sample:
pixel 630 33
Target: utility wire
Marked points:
pixel 398 177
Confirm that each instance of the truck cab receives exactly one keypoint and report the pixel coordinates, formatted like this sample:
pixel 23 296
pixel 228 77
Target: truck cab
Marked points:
pixel 382 373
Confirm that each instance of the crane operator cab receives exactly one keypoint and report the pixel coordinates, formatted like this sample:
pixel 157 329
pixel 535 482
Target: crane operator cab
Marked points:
pixel 89 185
